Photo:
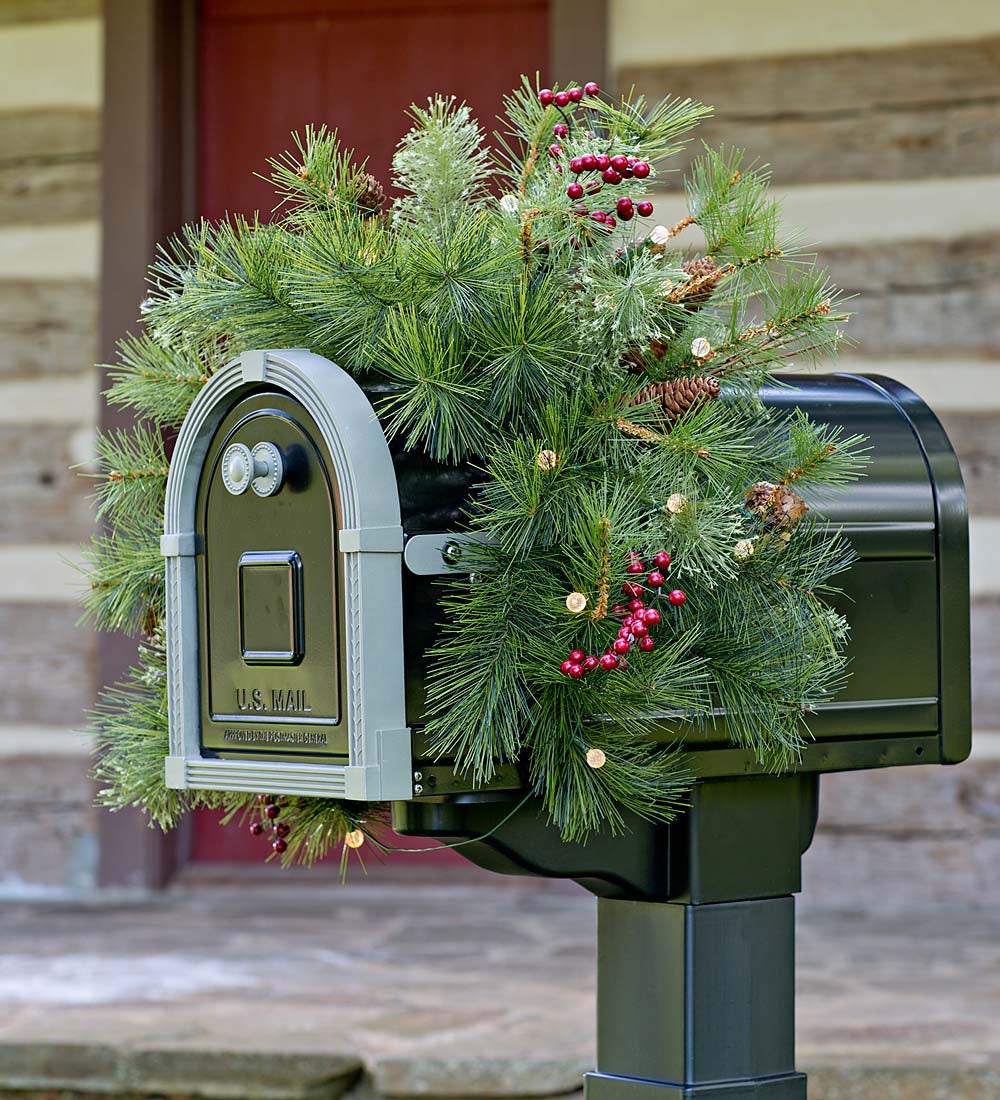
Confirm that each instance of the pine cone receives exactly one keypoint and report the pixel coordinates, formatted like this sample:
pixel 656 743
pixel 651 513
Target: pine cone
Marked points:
pixel 678 396
pixel 638 360
pixel 777 504
pixel 370 195
pixel 704 275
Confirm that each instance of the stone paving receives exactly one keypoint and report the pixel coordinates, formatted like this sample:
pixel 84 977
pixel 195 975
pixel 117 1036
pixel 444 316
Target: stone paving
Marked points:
pixel 477 986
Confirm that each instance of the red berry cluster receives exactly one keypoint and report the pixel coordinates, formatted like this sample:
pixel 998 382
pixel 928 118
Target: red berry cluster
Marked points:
pixel 604 168
pixel 636 619
pixel 270 809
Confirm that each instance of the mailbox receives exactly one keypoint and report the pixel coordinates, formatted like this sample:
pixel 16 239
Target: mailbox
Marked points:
pixel 302 558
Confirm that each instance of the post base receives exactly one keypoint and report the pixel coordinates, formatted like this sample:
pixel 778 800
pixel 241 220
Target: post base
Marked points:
pixel 605 1086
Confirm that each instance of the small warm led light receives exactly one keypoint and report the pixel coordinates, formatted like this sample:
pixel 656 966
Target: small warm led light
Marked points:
pixel 701 348
pixel 576 602
pixel 596 758
pixel 547 460
pixel 354 839
pixel 676 502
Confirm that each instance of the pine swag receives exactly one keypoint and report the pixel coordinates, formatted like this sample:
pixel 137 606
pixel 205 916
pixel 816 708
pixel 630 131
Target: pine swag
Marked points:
pixel 649 560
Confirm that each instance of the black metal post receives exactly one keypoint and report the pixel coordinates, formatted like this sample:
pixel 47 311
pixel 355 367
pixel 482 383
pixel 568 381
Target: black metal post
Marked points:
pixel 696 934
pixel 696 994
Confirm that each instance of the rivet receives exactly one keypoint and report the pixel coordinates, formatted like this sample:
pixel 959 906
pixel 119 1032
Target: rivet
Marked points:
pixel 418 789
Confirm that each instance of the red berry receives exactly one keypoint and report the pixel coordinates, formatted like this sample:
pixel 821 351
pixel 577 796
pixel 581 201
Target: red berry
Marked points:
pixel 576 164
pixel 562 99
pixel 591 87
pixel 645 208
pixel 652 617
pixel 625 631
pixel 589 162
pixel 555 149
pixel 627 173
pixel 610 222
pixel 609 175
pixel 575 94
pixel 265 799
pixel 560 129
pixel 639 630
pixel 640 169
pixel 635 566
pixel 594 186
pixel 636 605
pixel 661 559
pixel 646 644
pixel 576 656
pixel 633 555
pixel 575 191
pixel 281 829
pixel 576 672
pixel 590 663
pixel 603 161
pixel 676 597
pixel 278 845
pixel 619 163
pixel 630 588
pixel 256 828
pixel 627 214
pixel 621 645
pixel 609 661
pixel 579 210
pixel 655 579
pixel 624 207
pixel 565 667
pixel 599 216
pixel 628 620
pixel 546 96
pixel 619 609
pixel 272 811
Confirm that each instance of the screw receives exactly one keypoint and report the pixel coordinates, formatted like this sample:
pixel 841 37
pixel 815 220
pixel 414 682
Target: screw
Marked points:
pixel 452 553
pixel 418 776
pixel 418 789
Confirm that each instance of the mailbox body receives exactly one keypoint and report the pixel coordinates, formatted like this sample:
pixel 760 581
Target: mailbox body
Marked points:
pixel 298 622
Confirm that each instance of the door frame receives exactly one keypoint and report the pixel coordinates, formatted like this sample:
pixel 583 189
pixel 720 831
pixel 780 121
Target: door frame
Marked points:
pixel 148 191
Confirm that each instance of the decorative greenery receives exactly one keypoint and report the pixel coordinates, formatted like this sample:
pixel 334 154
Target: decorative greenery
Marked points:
pixel 602 375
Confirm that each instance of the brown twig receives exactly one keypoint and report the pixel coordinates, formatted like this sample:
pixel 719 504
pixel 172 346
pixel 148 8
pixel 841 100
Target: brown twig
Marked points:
pixel 135 475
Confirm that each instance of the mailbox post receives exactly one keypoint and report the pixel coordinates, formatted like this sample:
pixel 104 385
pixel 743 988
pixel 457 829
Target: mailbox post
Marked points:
pixel 302 553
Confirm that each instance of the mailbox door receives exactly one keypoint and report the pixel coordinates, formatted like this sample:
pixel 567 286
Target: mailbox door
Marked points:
pixel 284 593
pixel 272 668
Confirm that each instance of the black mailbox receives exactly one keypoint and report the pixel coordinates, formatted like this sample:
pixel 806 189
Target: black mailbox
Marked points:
pixel 300 543
pixel 302 556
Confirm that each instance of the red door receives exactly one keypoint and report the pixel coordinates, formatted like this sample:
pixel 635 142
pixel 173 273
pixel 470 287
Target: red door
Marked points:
pixel 270 67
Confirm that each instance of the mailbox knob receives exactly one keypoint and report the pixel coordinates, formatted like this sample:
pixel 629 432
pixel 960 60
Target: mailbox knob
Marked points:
pixel 261 468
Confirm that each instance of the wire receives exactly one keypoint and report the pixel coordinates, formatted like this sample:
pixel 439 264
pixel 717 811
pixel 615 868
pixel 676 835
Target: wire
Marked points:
pixel 462 843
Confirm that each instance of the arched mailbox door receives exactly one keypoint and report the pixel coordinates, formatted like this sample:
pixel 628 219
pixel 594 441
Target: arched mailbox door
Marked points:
pixel 284 594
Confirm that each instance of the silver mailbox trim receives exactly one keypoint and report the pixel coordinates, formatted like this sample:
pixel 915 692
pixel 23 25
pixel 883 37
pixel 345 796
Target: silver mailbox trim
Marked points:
pixel 371 541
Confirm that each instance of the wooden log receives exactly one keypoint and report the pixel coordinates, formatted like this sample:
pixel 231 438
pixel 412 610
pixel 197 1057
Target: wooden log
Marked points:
pixel 919 111
pixel 48 663
pixel 41 498
pixel 922 297
pixel 13 12
pixel 47 326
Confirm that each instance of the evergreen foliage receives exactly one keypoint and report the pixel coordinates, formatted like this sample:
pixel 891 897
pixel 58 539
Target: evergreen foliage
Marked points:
pixel 515 333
